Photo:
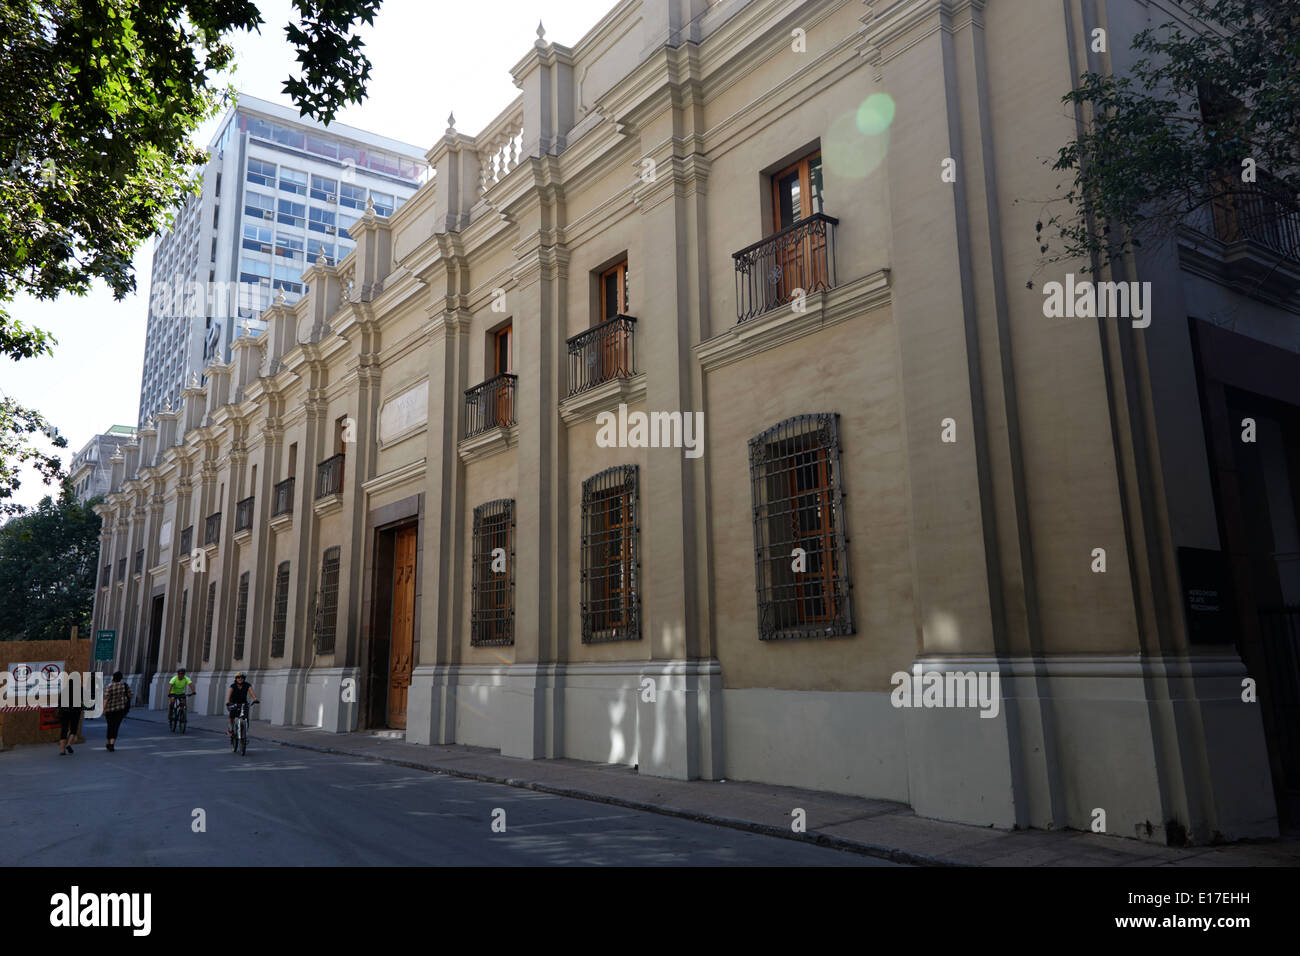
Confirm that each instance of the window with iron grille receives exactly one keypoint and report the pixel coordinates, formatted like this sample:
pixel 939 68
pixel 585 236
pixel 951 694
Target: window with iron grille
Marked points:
pixel 327 607
pixel 280 615
pixel 241 616
pixel 207 621
pixel 492 615
pixel 104 574
pixel 800 560
pixel 611 602
pixel 121 568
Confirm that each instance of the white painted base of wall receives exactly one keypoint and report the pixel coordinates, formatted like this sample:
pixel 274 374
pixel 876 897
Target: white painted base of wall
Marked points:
pixel 844 742
pixel 281 690
pixel 323 703
pixel 664 717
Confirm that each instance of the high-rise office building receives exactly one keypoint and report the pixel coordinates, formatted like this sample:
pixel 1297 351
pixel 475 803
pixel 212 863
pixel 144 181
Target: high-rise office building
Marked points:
pixel 90 471
pixel 278 191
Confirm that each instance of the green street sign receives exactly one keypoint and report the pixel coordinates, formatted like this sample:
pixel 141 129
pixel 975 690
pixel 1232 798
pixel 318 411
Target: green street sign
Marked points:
pixel 104 641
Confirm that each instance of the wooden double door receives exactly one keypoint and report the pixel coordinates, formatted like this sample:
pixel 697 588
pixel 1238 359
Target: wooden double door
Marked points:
pixel 402 640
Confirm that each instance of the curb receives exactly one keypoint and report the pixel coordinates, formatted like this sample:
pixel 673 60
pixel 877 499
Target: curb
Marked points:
pixel 892 854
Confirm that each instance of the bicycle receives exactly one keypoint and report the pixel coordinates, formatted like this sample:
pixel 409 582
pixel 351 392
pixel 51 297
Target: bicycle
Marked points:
pixel 177 714
pixel 239 738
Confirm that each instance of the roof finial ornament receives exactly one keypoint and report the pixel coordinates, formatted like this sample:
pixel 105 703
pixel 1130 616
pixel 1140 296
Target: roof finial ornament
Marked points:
pixel 541 31
pixel 370 208
pixel 451 122
pixel 279 298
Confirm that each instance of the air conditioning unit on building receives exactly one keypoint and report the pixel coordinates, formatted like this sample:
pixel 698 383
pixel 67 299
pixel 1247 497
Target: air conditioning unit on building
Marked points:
pixel 329 230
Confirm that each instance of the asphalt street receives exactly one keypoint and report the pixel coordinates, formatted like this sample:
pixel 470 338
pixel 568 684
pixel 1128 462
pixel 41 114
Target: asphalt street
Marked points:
pixel 281 806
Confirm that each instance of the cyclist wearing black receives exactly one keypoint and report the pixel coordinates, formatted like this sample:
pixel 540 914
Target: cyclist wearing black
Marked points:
pixel 241 691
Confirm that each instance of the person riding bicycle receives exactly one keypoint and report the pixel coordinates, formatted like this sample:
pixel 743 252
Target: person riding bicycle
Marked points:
pixel 177 689
pixel 236 695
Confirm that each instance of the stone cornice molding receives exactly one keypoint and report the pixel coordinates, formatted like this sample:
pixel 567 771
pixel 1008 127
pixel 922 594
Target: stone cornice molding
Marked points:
pixel 892 28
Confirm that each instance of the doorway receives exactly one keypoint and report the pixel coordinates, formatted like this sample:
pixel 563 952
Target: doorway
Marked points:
pixel 155 638
pixel 402 634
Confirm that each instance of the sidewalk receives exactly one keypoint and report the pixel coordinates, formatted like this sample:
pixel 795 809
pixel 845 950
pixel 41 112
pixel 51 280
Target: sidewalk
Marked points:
pixel 877 828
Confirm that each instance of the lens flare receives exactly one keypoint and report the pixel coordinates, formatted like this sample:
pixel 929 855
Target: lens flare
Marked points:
pixel 875 114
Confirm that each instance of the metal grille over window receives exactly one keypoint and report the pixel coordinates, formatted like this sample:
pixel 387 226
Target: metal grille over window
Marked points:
pixel 280 615
pixel 611 602
pixel 327 606
pixel 241 615
pixel 801 563
pixel 207 621
pixel 492 618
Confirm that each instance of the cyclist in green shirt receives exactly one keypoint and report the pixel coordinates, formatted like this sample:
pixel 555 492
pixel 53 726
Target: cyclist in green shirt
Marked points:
pixel 177 688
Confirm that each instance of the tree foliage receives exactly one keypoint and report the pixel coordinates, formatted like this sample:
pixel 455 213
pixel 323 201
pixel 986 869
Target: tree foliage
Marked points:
pixel 18 425
pixel 1172 136
pixel 48 558
pixel 101 101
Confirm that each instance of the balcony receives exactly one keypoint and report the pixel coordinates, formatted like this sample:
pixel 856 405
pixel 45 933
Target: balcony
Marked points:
pixel 1254 233
pixel 212 529
pixel 244 516
pixel 773 271
pixel 329 476
pixel 602 353
pixel 1258 214
pixel 329 485
pixel 283 502
pixel 187 541
pixel 490 404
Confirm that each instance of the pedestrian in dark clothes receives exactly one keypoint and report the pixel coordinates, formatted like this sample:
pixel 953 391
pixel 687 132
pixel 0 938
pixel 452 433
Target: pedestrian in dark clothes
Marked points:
pixel 70 707
pixel 117 701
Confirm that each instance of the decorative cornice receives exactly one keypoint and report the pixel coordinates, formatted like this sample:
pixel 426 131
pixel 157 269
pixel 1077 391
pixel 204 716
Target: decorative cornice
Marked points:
pixel 398 476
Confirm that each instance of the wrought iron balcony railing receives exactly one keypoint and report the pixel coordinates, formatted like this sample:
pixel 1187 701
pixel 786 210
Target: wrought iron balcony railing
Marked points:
pixel 244 515
pixel 1257 213
pixel 329 476
pixel 490 404
pixel 283 503
pixel 187 540
pixel 212 529
pixel 603 352
pixel 773 271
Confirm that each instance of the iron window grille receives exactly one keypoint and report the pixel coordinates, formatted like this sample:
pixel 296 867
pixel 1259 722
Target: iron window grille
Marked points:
pixel 280 615
pixel 139 561
pixel 327 604
pixel 492 614
pixel 241 616
pixel 207 622
pixel 121 568
pixel 187 541
pixel 798 503
pixel 611 600
pixel 105 574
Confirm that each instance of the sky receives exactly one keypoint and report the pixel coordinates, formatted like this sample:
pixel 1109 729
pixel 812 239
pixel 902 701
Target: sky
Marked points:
pixel 430 58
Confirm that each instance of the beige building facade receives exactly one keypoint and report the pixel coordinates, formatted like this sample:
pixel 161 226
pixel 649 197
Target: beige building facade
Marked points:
pixel 690 408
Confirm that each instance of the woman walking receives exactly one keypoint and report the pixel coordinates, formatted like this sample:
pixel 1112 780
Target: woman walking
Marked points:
pixel 117 701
